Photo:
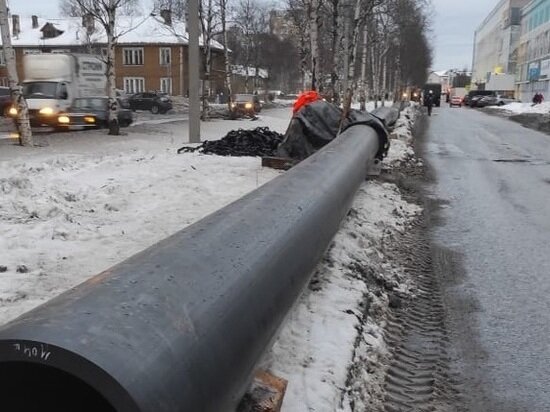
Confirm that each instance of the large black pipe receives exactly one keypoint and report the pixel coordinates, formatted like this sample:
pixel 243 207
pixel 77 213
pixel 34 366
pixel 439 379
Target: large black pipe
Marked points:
pixel 181 325
pixel 387 114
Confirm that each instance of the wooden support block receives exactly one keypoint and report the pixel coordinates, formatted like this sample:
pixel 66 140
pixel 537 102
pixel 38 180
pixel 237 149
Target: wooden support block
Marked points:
pixel 281 163
pixel 265 394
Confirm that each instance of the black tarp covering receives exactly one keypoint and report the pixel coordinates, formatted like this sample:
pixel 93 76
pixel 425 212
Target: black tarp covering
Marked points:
pixel 317 123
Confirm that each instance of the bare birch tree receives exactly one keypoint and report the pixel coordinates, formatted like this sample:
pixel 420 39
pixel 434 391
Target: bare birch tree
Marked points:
pixel 314 19
pixel 300 32
pixel 22 119
pixel 104 12
pixel 223 6
pixel 248 18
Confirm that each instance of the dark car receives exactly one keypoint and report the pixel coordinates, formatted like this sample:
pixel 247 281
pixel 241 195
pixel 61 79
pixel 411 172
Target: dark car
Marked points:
pixel 474 101
pixel 98 107
pixel 487 101
pixel 5 100
pixel 473 93
pixel 245 105
pixel 155 102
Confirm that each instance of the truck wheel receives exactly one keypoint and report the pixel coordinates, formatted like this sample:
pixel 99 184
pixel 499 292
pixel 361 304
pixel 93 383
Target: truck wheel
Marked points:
pixel 154 109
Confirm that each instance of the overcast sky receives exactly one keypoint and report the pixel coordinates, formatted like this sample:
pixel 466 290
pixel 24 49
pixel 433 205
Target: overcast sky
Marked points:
pixel 454 22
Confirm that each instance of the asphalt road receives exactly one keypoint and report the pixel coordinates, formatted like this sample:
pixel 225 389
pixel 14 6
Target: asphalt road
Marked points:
pixel 492 188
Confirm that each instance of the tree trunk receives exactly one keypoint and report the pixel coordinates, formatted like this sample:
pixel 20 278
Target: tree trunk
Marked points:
pixel 207 36
pixel 114 127
pixel 364 62
pixel 335 54
pixel 384 77
pixel 314 28
pixel 228 88
pixel 354 41
pixel 22 120
pixel 374 75
pixel 303 60
pixel 182 90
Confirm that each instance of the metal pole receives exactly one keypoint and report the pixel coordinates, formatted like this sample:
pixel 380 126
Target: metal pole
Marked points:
pixel 193 56
pixel 182 325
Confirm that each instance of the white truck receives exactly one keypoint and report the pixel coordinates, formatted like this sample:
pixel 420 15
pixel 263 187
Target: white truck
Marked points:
pixel 52 81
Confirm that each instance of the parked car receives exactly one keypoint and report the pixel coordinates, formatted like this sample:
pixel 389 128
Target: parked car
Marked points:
pixel 5 100
pixel 245 104
pixel 475 100
pixel 153 101
pixel 98 107
pixel 467 101
pixel 495 101
pixel 486 101
pixel 455 101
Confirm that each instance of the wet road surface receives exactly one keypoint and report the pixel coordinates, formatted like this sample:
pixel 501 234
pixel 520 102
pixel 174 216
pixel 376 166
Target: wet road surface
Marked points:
pixel 492 184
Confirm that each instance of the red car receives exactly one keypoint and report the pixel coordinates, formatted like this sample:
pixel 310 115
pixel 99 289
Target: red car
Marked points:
pixel 455 101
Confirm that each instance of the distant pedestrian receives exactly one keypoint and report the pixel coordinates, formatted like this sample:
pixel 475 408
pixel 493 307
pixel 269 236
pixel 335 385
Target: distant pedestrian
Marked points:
pixel 429 102
pixel 362 101
pixel 537 98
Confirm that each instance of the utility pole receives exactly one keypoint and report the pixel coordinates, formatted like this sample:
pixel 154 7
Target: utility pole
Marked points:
pixel 193 56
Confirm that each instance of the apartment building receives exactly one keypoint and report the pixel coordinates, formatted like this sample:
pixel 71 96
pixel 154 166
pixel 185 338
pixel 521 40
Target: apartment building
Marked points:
pixel 496 43
pixel 533 73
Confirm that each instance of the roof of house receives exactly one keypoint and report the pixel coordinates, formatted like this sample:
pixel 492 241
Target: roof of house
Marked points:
pixel 136 30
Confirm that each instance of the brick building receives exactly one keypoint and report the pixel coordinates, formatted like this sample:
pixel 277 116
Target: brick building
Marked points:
pixel 151 54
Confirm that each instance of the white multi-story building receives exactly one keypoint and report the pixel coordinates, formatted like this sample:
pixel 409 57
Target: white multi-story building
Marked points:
pixel 533 72
pixel 495 43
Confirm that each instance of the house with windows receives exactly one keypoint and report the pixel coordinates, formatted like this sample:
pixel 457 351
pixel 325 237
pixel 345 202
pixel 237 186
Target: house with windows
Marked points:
pixel 150 54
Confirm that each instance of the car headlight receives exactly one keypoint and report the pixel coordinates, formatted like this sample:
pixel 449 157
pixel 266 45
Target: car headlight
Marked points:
pixel 89 119
pixel 12 111
pixel 233 105
pixel 63 119
pixel 48 111
pixel 248 106
pixel 405 95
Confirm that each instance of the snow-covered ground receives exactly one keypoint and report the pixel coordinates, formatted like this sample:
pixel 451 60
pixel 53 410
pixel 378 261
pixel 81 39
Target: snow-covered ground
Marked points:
pixel 87 200
pixel 517 108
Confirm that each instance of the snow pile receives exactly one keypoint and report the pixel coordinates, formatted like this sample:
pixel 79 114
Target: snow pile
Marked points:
pixel 401 152
pixel 517 108
pixel 405 123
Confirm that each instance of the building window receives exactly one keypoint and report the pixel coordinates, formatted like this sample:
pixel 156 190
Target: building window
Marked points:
pixel 166 85
pixel 2 58
pixel 60 51
pixel 4 82
pixel 165 56
pixel 133 56
pixel 134 85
